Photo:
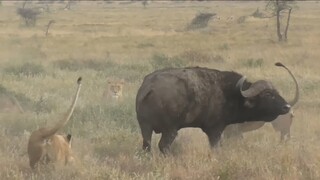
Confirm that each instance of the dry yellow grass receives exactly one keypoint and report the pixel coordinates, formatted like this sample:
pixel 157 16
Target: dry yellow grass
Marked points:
pixel 97 41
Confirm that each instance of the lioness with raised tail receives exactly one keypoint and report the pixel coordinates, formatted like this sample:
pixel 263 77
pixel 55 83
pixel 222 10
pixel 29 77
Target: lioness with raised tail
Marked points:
pixel 46 146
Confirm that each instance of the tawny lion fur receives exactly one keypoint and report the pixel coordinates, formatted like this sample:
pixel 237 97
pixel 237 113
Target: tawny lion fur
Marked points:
pixel 46 146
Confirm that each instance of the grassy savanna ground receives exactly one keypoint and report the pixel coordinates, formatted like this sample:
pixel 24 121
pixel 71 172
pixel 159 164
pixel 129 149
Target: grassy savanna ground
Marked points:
pixel 99 41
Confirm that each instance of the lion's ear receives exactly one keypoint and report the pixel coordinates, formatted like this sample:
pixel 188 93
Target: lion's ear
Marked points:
pixel 69 138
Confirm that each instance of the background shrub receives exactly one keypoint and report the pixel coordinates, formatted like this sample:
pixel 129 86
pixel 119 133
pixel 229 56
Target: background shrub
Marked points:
pixel 200 21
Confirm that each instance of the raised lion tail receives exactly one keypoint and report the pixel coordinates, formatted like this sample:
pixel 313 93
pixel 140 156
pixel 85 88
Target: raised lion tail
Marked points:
pixel 68 115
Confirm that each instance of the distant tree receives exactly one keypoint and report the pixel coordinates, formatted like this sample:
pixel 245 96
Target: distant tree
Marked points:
pixel 69 3
pixel 280 7
pixel 145 3
pixel 29 15
pixel 49 25
pixel 68 6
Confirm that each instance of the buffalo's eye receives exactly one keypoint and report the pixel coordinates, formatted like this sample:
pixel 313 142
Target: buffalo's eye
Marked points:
pixel 269 95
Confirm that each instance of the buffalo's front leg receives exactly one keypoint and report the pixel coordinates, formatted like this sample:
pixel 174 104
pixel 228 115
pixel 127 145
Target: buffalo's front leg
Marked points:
pixel 214 134
pixel 166 140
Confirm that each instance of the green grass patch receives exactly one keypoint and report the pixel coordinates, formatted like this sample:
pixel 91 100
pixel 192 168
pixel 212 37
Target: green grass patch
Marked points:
pixel 26 69
pixel 160 61
pixel 253 63
pixel 76 65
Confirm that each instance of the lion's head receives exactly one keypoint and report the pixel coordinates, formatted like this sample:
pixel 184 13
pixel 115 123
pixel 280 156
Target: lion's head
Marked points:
pixel 114 89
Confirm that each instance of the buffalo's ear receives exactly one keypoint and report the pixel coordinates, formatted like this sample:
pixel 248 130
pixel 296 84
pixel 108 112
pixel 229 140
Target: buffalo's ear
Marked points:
pixel 249 103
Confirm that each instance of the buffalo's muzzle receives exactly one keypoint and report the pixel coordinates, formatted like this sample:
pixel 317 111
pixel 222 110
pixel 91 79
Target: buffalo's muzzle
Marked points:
pixel 286 108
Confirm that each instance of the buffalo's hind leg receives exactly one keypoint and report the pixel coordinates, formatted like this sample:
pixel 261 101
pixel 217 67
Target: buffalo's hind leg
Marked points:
pixel 146 132
pixel 166 140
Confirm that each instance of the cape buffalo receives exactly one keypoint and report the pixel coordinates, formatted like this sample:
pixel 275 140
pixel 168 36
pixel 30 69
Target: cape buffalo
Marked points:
pixel 175 98
pixel 282 123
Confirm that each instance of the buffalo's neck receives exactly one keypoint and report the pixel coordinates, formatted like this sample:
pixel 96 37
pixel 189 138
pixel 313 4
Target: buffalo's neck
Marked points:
pixel 247 115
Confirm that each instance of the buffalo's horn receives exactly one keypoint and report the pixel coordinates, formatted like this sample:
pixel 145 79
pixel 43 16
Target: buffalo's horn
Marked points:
pixel 256 88
pixel 240 82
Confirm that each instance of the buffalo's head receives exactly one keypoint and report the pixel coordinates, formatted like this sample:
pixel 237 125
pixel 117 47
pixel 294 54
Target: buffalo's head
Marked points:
pixel 262 98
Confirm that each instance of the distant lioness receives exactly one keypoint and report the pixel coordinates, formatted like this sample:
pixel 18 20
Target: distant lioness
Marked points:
pixel 46 146
pixel 114 90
